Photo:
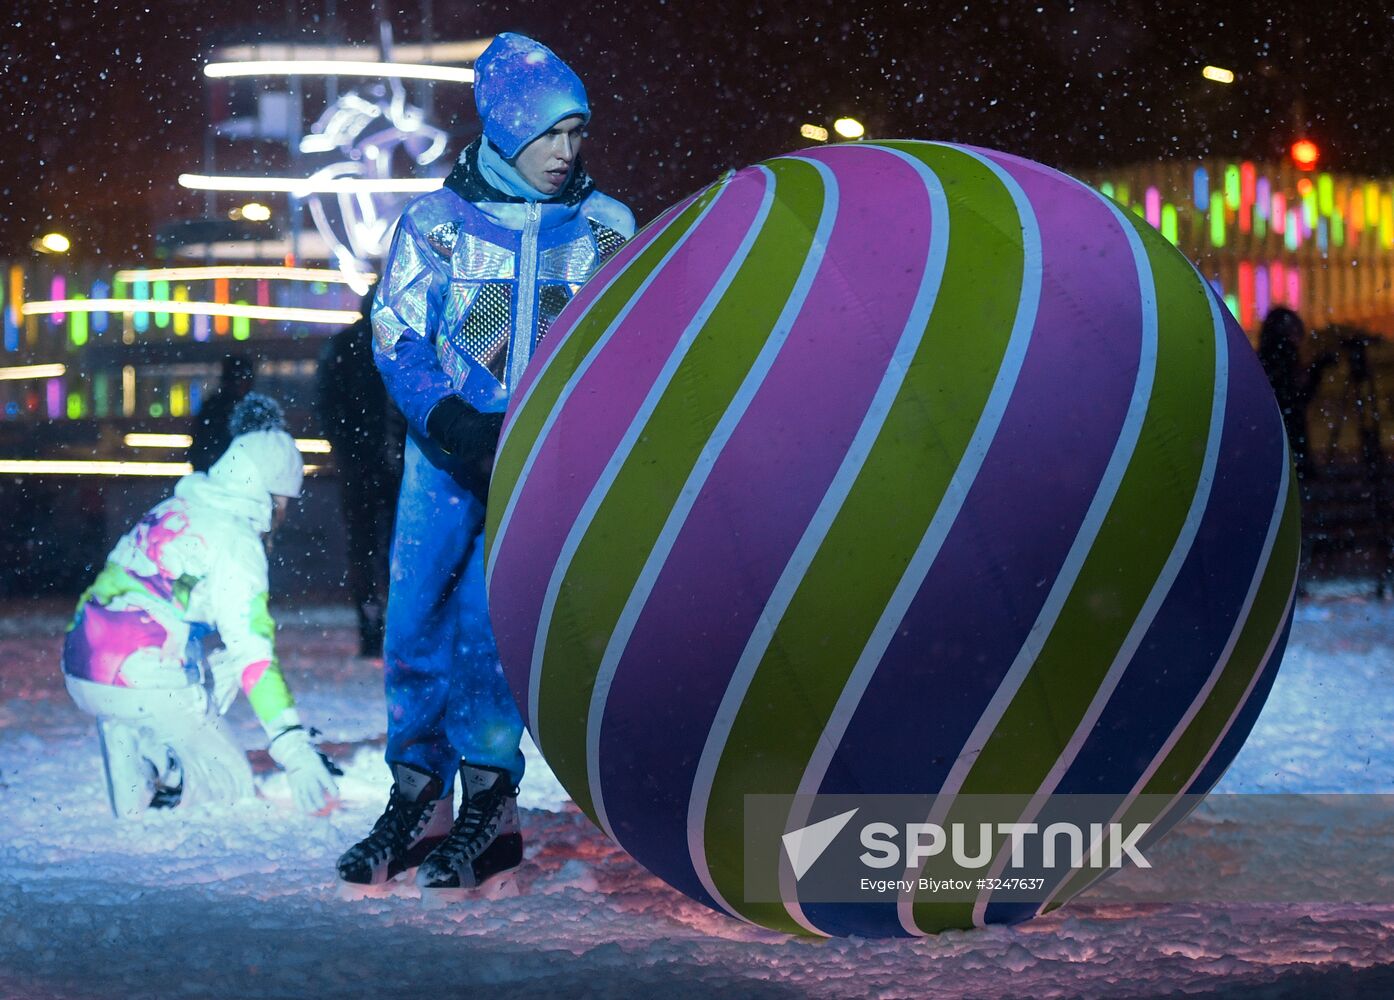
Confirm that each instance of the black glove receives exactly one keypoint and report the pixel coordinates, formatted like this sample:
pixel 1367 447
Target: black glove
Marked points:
pixel 468 436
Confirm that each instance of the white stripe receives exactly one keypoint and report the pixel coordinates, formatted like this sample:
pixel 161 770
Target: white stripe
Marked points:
pixel 1180 551
pixel 626 444
pixel 955 495
pixel 817 529
pixel 577 375
pixel 1074 561
pixel 1221 663
pixel 687 497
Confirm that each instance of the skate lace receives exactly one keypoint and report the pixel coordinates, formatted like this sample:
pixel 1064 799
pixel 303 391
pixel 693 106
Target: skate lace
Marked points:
pixel 473 830
pixel 393 831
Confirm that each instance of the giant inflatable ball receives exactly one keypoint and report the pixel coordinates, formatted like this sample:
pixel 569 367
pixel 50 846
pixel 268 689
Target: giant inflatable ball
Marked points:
pixel 896 467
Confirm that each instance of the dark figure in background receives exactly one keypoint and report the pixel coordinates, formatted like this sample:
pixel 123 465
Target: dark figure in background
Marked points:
pixel 366 432
pixel 210 431
pixel 1294 382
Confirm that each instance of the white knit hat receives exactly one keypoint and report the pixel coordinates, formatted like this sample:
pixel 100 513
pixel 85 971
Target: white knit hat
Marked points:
pixel 262 458
pixel 266 461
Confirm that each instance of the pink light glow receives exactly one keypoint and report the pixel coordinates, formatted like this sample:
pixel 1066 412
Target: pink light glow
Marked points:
pixel 1246 196
pixel 59 290
pixel 1277 282
pixel 1294 289
pixel 1246 293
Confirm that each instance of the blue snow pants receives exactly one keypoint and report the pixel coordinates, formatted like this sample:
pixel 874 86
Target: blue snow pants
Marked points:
pixel 447 699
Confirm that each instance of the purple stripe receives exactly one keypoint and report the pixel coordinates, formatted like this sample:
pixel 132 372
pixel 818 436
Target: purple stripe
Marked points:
pixel 756 504
pixel 592 289
pixel 596 417
pixel 980 598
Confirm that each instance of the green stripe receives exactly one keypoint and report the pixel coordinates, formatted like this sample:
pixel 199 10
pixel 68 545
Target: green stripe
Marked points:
pixel 529 420
pixel 1246 659
pixel 852 576
pixel 259 620
pixel 1132 547
pixel 1265 619
pixel 622 533
pixel 270 696
pixel 112 582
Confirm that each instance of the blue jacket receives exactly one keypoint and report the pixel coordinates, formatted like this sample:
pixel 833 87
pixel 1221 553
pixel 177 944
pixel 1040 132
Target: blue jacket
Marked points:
pixel 475 278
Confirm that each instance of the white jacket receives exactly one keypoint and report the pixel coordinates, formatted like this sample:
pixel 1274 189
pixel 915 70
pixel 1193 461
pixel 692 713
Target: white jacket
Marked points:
pixel 197 559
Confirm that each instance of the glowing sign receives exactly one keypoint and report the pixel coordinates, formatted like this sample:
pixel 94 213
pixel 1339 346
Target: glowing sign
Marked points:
pixel 367 133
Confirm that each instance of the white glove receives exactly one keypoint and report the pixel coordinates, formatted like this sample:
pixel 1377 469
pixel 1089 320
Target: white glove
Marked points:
pixel 227 680
pixel 312 784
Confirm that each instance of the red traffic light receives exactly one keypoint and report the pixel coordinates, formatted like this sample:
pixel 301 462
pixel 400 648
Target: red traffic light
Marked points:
pixel 1305 154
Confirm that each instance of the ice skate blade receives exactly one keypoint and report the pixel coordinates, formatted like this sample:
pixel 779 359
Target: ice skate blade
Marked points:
pixel 499 887
pixel 401 884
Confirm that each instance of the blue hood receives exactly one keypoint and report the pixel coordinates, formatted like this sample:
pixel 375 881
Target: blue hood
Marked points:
pixel 522 88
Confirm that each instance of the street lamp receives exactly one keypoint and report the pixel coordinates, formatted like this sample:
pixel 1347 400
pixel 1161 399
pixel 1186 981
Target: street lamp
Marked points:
pixel 1218 74
pixel 253 211
pixel 52 243
pixel 849 128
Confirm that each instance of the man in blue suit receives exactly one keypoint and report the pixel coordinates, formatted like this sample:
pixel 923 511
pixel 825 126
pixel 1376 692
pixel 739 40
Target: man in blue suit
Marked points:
pixel 476 274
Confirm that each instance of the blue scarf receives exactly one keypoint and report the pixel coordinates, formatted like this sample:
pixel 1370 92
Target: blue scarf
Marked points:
pixel 501 174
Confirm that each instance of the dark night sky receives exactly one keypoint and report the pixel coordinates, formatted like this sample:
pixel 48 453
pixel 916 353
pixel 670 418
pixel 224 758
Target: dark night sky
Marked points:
pixel 108 104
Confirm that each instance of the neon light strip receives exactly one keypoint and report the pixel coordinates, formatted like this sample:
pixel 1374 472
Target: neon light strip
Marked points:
pixel 435 53
pixel 339 67
pixel 336 317
pixel 307 446
pixel 305 186
pixel 260 272
pixel 1169 222
pixel 32 371
pixel 53 467
pixel 58 288
pixel 157 440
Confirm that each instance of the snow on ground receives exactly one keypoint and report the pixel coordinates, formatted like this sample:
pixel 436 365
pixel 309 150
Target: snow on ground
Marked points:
pixel 242 902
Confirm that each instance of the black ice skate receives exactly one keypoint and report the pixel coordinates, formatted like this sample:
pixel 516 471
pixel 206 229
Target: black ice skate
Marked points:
pixel 414 823
pixel 485 840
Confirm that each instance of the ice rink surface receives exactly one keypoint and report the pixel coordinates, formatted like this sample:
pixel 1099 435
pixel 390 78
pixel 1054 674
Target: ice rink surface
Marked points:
pixel 242 901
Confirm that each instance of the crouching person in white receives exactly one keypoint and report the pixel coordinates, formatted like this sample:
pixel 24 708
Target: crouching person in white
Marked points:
pixel 195 564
